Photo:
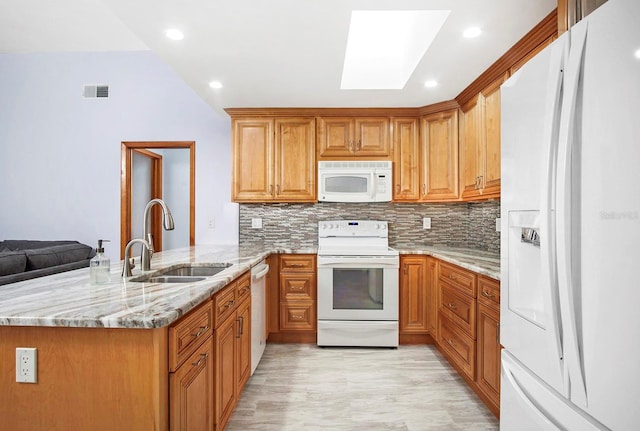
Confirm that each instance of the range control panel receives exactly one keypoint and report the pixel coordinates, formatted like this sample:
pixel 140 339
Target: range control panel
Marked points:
pixel 353 228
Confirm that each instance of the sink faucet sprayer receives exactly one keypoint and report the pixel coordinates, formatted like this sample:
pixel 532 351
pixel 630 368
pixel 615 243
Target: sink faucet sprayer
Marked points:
pixel 167 221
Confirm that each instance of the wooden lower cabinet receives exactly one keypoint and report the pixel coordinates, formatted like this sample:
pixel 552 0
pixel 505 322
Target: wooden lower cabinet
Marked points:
pixel 243 340
pixel 225 372
pixel 468 327
pixel 292 300
pixel 488 372
pixel 413 298
pixel 232 345
pixel 432 296
pixel 191 372
pixel 191 391
pixel 459 346
pixel 488 353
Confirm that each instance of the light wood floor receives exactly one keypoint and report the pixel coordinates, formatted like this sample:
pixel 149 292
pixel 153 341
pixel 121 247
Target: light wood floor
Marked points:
pixel 305 387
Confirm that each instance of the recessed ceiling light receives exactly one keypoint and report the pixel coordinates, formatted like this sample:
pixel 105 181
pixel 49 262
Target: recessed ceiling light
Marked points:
pixel 174 34
pixel 637 54
pixel 373 59
pixel 431 84
pixel 472 32
pixel 215 84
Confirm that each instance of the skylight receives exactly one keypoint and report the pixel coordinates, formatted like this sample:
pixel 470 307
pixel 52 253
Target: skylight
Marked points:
pixel 384 47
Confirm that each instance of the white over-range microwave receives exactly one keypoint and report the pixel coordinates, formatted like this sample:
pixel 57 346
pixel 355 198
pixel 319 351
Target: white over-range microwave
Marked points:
pixel 354 181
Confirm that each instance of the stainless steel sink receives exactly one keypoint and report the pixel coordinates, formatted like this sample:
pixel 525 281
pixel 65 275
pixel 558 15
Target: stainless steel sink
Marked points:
pixel 167 279
pixel 197 271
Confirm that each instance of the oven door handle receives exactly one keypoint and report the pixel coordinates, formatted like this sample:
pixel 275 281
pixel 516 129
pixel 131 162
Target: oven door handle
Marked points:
pixel 356 264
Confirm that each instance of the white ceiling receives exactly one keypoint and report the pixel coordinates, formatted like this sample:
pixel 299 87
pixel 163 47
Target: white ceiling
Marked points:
pixel 271 53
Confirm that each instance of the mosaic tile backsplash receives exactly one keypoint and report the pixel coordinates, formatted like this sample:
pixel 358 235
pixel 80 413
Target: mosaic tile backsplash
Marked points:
pixel 469 225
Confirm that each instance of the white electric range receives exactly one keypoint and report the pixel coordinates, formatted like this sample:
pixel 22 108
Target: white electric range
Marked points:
pixel 357 284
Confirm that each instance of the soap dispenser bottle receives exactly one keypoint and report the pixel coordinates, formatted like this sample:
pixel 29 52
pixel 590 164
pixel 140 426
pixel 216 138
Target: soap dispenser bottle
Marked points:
pixel 99 266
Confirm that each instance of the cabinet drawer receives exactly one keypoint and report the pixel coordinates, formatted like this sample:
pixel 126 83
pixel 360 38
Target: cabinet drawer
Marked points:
pixel 297 263
pixel 461 279
pixel 459 308
pixel 298 316
pixel 460 347
pixel 188 333
pixel 243 286
pixel 297 286
pixel 489 291
pixel 224 304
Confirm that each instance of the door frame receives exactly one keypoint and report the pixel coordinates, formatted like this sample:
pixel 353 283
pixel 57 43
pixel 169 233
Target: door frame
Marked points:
pixel 126 157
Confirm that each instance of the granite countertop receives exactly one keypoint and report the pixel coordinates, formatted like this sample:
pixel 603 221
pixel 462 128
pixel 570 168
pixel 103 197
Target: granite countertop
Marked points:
pixel 68 299
pixel 482 262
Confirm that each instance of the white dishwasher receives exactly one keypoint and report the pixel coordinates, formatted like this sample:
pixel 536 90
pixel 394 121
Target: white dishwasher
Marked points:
pixel 258 313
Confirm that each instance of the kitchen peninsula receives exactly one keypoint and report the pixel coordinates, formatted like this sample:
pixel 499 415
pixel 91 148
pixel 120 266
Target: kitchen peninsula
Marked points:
pixel 105 352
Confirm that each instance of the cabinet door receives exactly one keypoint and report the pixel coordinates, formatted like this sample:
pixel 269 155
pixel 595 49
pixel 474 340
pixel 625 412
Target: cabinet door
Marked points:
pixel 406 159
pixel 491 162
pixel 489 353
pixel 252 154
pixel 243 343
pixel 295 159
pixel 439 164
pixel 471 148
pixel 335 137
pixel 413 294
pixel 191 392
pixel 432 297
pixel 225 371
pixel 372 137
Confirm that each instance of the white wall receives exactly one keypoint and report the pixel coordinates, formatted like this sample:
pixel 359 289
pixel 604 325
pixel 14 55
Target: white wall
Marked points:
pixel 60 153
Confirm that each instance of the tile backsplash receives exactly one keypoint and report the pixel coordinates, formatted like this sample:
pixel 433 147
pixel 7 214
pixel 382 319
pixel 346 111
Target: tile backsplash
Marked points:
pixel 470 225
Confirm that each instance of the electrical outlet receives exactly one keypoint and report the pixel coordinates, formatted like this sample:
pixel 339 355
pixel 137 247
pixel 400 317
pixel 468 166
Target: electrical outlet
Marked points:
pixel 256 223
pixel 212 223
pixel 498 224
pixel 426 223
pixel 26 365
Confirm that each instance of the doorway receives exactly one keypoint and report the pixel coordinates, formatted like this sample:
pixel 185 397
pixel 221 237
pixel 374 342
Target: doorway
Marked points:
pixel 138 160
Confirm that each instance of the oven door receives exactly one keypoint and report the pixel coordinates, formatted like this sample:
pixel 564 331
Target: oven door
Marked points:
pixel 357 288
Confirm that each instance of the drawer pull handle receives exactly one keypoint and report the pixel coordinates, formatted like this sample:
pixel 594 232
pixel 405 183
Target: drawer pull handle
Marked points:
pixel 201 331
pixel 229 304
pixel 297 317
pixel 203 357
pixel 487 294
pixel 452 277
pixel 451 305
pixel 297 288
pixel 451 343
pixel 296 265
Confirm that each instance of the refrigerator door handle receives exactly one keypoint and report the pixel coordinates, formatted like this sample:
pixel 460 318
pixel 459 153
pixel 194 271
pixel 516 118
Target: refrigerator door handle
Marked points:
pixel 526 398
pixel 567 247
pixel 547 205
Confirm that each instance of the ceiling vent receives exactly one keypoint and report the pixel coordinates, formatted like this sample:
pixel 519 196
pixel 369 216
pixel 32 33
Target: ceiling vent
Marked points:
pixel 93 91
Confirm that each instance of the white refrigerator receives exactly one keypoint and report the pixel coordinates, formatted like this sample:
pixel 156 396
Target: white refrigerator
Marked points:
pixel 570 230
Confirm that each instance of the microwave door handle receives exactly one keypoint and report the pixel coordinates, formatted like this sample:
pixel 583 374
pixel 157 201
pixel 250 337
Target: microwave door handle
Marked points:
pixel 374 185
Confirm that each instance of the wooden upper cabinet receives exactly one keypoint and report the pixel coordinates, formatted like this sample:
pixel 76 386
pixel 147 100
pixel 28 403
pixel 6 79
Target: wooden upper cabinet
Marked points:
pixel 273 160
pixel 470 137
pixel 295 159
pixel 406 146
pixel 491 168
pixel 341 137
pixel 252 155
pixel 439 159
pixel 480 144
